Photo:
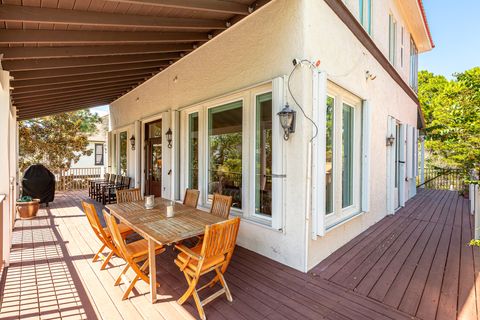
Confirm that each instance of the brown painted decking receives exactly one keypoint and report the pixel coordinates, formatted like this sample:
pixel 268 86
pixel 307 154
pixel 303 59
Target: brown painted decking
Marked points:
pixel 51 274
pixel 417 261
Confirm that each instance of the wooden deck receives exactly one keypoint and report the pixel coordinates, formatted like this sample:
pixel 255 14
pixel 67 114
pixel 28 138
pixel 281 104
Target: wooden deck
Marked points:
pixel 414 263
pixel 417 261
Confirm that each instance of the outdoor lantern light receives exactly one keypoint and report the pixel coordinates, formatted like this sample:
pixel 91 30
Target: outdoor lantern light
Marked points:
pixel 169 137
pixel 132 142
pixel 287 120
pixel 390 140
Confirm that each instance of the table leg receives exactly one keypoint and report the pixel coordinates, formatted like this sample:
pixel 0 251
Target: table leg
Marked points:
pixel 152 270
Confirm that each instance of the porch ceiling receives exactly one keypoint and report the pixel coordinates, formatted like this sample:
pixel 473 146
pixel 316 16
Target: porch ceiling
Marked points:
pixel 74 54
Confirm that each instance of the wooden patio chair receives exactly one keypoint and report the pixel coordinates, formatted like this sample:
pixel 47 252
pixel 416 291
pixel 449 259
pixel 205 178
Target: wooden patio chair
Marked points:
pixel 128 195
pixel 191 198
pixel 221 205
pixel 103 234
pixel 133 253
pixel 214 254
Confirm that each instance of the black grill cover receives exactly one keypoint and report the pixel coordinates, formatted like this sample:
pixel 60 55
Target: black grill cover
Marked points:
pixel 39 183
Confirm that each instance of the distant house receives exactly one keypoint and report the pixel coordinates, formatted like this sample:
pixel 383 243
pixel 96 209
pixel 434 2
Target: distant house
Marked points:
pixel 98 145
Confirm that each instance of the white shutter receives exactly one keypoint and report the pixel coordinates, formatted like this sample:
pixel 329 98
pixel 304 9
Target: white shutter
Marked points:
pixel 391 131
pixel 402 160
pixel 414 147
pixel 409 155
pixel 278 161
pixel 318 154
pixel 366 140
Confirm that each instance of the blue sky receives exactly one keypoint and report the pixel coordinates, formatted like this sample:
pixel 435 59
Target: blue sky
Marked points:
pixel 455 27
pixel 101 111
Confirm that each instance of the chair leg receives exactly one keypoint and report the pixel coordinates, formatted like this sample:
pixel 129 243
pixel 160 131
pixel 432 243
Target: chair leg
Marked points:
pixel 191 287
pixel 198 303
pixel 107 259
pixel 95 258
pixel 130 287
pixel 224 285
pixel 119 279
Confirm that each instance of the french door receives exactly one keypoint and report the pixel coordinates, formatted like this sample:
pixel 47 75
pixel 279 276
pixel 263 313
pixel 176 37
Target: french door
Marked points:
pixel 153 158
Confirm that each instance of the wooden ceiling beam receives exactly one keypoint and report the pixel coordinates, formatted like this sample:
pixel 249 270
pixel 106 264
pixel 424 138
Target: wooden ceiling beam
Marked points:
pixel 38 64
pixel 83 78
pixel 47 90
pixel 84 36
pixel 74 93
pixel 14 53
pixel 30 114
pixel 66 101
pixel 76 71
pixel 12 13
pixel 58 106
pixel 219 6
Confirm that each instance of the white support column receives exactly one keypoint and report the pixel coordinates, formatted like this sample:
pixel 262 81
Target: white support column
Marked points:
pixel 137 154
pixel 422 161
pixel 477 212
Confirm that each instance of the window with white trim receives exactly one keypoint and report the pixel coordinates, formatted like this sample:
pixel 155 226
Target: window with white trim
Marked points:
pixel 365 15
pixel 392 39
pixel 402 46
pixel 233 147
pixel 343 155
pixel 99 153
pixel 122 159
pixel 413 65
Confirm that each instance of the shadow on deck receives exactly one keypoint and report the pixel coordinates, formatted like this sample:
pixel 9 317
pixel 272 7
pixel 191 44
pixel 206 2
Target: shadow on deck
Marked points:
pixel 414 263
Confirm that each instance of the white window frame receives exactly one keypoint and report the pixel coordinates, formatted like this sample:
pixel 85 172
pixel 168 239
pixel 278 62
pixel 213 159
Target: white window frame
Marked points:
pixel 248 98
pixel 402 46
pixel 100 163
pixel 365 15
pixel 392 39
pixel 341 97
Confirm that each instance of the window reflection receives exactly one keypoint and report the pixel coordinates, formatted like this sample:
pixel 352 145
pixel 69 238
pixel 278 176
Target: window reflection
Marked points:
pixel 225 151
pixel 329 157
pixel 263 155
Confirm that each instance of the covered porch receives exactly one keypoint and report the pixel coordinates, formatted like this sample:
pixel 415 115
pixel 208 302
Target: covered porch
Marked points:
pixel 416 263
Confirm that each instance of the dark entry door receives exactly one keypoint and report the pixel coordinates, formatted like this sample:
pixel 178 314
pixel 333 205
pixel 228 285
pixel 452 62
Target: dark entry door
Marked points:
pixel 153 158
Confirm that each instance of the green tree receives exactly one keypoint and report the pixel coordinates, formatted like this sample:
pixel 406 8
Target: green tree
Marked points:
pixel 55 141
pixel 452 113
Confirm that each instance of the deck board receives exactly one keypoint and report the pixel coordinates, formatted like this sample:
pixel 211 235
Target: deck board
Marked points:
pixel 417 261
pixel 414 263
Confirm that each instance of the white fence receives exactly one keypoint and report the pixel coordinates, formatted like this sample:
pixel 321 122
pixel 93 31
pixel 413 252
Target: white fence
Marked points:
pixel 474 194
pixel 76 178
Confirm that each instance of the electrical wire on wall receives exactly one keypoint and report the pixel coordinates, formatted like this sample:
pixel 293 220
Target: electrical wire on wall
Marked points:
pixel 297 63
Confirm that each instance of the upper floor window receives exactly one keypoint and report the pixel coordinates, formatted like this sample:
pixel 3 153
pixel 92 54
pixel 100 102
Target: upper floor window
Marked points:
pixel 99 154
pixel 392 39
pixel 402 46
pixel 413 65
pixel 365 15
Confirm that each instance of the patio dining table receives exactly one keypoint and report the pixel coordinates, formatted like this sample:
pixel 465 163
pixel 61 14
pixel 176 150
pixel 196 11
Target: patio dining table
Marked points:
pixel 155 227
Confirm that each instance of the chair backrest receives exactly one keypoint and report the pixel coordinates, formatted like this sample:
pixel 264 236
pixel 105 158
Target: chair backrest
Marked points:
pixel 126 181
pixel 220 238
pixel 113 178
pixel 221 205
pixel 116 236
pixel 191 198
pixel 106 176
pixel 128 195
pixel 94 221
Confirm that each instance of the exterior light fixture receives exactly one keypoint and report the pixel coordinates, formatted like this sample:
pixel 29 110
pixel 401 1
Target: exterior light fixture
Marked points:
pixel 390 140
pixel 169 137
pixel 132 142
pixel 287 121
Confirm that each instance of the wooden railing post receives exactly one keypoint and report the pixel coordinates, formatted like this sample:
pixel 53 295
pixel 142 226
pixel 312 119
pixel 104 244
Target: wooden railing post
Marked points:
pixel 476 210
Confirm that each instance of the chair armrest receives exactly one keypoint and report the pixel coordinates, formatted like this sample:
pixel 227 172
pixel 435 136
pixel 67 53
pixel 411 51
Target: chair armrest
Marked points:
pixel 188 252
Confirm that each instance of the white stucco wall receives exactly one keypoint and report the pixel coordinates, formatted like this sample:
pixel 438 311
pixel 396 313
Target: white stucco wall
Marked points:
pixel 345 61
pixel 258 49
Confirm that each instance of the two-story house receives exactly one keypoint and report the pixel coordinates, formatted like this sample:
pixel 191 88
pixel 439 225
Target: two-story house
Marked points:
pixel 210 121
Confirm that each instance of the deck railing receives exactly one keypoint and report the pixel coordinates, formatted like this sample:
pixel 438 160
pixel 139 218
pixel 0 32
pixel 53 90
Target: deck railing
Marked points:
pixel 442 179
pixel 76 178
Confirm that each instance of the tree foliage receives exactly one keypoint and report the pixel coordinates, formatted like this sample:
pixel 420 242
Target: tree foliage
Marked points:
pixel 452 114
pixel 56 141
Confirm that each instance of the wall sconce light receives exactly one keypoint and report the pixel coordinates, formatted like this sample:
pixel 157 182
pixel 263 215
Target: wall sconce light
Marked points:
pixel 390 140
pixel 287 120
pixel 132 142
pixel 169 137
